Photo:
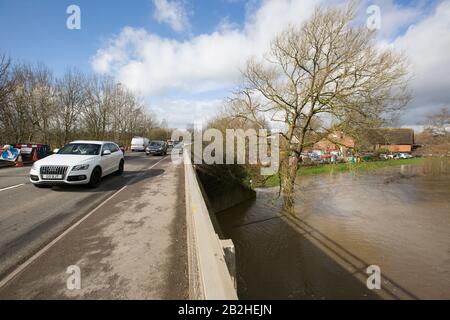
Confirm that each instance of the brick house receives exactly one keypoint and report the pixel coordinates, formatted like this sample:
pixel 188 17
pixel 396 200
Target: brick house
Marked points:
pixel 394 140
pixel 335 142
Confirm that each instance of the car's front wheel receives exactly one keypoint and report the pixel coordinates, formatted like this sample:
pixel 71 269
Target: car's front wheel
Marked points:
pixel 96 177
pixel 121 167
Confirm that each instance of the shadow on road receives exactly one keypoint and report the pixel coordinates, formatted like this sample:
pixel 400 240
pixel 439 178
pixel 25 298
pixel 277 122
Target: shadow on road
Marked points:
pixel 112 182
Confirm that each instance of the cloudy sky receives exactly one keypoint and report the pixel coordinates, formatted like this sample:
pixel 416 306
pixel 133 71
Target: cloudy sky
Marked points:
pixel 185 56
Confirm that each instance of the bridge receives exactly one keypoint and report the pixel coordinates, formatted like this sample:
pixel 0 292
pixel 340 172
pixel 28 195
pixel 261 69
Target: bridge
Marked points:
pixel 145 235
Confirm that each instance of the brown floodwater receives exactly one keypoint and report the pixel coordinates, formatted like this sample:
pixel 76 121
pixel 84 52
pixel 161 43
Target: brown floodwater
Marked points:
pixel 397 218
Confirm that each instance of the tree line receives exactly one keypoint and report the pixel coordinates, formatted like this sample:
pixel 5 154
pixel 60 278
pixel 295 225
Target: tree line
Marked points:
pixel 36 107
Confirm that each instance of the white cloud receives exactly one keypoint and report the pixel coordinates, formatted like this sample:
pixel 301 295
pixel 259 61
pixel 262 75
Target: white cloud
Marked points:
pixel 181 113
pixel 157 66
pixel 427 44
pixel 154 65
pixel 173 13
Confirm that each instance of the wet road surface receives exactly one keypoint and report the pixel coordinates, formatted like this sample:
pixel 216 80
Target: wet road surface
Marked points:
pixel 30 217
pixel 132 245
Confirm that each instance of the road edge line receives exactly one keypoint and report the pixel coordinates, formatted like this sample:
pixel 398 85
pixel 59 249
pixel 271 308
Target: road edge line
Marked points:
pixel 12 187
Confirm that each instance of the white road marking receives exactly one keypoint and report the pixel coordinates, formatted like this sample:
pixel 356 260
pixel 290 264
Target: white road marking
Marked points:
pixel 12 187
pixel 33 258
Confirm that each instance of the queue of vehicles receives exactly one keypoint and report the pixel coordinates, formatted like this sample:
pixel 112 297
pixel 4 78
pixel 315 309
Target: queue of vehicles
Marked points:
pixel 152 147
pixel 87 162
pixel 79 162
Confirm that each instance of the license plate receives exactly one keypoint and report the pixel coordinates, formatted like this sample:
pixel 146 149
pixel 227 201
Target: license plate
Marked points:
pixel 52 176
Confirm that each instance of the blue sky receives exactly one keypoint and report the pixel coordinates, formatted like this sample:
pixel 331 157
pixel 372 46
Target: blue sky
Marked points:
pixel 32 30
pixel 185 56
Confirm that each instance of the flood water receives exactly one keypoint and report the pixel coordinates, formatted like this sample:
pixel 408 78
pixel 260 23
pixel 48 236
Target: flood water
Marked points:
pixel 396 218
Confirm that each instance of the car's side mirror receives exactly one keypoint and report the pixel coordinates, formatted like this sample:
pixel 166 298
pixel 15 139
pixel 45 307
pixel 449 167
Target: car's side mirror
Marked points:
pixel 55 150
pixel 106 153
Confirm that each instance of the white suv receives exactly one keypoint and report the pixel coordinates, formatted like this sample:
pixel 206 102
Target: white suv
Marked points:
pixel 79 162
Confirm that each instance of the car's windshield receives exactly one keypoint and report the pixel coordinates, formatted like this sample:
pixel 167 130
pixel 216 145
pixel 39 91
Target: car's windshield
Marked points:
pixel 84 149
pixel 156 144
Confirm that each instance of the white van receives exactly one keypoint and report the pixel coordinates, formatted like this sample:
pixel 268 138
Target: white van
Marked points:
pixel 139 144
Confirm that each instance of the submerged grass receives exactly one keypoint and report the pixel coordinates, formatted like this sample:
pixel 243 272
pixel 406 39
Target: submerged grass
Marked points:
pixel 346 167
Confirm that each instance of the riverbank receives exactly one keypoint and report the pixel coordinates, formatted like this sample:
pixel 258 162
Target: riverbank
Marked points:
pixel 346 167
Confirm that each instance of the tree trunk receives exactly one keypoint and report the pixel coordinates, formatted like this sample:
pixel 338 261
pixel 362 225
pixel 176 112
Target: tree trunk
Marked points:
pixel 289 175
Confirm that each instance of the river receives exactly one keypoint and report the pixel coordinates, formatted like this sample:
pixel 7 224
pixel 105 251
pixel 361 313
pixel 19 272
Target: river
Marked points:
pixel 396 218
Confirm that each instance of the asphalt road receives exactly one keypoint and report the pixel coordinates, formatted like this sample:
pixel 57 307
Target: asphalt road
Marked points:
pixel 31 217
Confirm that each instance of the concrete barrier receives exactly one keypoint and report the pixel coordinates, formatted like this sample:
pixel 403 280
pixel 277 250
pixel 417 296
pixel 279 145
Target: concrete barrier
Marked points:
pixel 209 276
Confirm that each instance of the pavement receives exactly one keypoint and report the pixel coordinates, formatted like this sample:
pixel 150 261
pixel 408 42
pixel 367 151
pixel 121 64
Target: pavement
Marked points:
pixel 127 238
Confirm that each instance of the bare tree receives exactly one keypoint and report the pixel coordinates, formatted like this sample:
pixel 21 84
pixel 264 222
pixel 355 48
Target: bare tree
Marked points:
pixel 440 119
pixel 6 88
pixel 27 108
pixel 5 79
pixel 322 77
pixel 70 99
pixel 42 104
pixel 35 107
pixel 130 116
pixel 124 104
pixel 20 106
pixel 99 106
pixel 113 111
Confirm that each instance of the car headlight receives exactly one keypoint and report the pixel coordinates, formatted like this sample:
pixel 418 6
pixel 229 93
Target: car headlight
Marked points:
pixel 34 166
pixel 81 167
